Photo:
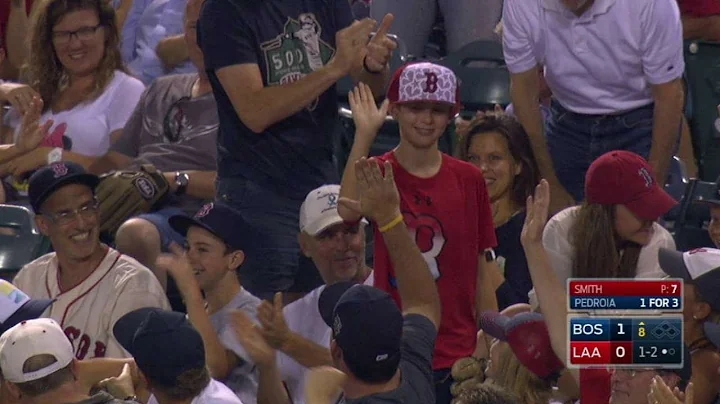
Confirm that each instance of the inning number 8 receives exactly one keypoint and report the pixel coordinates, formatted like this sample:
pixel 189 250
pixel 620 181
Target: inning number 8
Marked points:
pixel 437 241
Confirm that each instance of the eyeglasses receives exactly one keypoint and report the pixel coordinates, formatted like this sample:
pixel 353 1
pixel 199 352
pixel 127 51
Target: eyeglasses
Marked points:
pixel 83 34
pixel 173 122
pixel 63 218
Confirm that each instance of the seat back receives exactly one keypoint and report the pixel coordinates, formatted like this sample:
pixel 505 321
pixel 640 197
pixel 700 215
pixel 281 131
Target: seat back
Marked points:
pixel 690 229
pixel 702 68
pixel 484 78
pixel 20 241
pixel 676 186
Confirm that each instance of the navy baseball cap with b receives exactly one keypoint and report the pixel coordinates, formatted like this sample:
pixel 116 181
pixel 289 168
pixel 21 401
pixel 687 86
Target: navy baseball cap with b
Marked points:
pixel 163 343
pixel 366 324
pixel 50 178
pixel 222 221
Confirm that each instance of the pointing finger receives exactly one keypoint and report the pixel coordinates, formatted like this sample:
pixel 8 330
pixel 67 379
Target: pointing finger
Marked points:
pixel 384 26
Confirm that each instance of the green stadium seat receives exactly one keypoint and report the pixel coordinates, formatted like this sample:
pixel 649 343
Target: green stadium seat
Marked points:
pixel 702 70
pixel 20 241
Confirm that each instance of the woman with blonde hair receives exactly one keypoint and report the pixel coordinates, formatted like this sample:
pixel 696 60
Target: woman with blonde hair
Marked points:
pixel 76 69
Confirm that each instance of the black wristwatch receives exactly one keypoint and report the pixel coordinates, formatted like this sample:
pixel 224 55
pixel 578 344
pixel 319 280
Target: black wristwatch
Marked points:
pixel 181 181
pixel 490 255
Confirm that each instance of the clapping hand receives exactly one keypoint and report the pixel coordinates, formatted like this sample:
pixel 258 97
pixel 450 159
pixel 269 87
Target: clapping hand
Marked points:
pixel 380 47
pixel 536 215
pixel 378 196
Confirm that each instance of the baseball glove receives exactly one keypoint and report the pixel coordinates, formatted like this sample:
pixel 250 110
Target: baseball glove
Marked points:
pixel 123 194
pixel 467 368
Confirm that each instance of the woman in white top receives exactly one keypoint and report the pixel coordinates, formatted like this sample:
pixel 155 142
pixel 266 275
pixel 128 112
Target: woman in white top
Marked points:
pixel 76 69
pixel 614 233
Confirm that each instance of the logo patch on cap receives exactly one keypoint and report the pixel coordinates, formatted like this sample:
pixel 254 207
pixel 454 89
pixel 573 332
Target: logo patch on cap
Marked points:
pixel 337 325
pixel 204 211
pixel 59 169
pixel 643 172
pixel 145 187
pixel 332 201
pixel 427 82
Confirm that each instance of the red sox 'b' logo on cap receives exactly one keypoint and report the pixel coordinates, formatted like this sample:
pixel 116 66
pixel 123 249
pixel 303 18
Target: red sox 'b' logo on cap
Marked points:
pixel 204 211
pixel 59 169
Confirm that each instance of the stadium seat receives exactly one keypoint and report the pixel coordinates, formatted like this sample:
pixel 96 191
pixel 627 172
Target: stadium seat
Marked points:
pixel 482 86
pixel 702 70
pixel 690 228
pixel 20 241
pixel 676 186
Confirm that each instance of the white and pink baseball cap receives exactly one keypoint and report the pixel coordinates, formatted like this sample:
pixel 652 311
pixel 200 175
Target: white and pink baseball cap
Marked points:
pixel 42 336
pixel 700 267
pixel 319 211
pixel 425 81
pixel 16 306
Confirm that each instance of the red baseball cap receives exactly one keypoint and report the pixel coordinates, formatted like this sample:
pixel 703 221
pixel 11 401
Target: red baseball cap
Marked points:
pixel 621 177
pixel 425 81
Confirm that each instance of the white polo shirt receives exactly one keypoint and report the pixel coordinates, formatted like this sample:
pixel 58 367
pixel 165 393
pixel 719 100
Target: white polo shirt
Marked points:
pixel 602 62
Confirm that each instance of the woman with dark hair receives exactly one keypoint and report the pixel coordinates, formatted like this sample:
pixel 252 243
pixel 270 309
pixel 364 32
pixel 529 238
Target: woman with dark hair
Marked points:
pixel 76 69
pixel 499 146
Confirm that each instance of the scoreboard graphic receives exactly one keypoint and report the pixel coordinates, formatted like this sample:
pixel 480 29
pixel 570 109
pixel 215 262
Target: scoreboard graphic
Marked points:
pixel 652 337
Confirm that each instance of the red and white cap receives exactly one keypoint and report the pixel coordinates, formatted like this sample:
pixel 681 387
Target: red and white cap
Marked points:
pixel 621 177
pixel 424 81
pixel 42 336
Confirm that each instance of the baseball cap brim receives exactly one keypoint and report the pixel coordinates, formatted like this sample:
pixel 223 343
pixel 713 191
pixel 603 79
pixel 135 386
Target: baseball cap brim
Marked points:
pixel 318 226
pixel 712 332
pixel 329 298
pixel 494 324
pixel 653 204
pixel 32 309
pixel 125 328
pixel 182 224
pixel 88 179
pixel 673 264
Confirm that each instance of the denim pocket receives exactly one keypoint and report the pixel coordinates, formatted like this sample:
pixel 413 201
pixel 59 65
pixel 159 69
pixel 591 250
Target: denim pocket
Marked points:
pixel 638 119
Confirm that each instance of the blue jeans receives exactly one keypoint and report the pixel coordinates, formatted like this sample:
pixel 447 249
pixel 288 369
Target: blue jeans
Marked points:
pixel 273 263
pixel 160 218
pixel 576 140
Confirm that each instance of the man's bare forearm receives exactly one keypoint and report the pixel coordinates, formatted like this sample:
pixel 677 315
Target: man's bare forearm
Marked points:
pixel 527 109
pixel 348 184
pixel 376 81
pixel 201 184
pixel 306 352
pixel 269 105
pixel 416 286
pixel 666 126
pixel 17 33
pixel 270 386
pixel 9 152
pixel 172 51
pixel 489 279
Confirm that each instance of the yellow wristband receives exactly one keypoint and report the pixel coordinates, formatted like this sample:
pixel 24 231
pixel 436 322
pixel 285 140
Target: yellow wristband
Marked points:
pixel 392 224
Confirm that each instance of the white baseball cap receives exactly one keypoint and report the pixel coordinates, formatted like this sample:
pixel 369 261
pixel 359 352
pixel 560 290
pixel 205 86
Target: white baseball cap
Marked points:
pixel 16 306
pixel 701 267
pixel 319 211
pixel 42 336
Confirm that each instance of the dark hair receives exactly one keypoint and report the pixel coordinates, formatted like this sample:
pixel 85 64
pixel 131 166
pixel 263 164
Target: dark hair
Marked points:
pixel 188 384
pixel 519 146
pixel 44 70
pixel 45 384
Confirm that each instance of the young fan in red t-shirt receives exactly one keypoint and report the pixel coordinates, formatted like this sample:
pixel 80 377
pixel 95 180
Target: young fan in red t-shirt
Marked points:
pixel 444 203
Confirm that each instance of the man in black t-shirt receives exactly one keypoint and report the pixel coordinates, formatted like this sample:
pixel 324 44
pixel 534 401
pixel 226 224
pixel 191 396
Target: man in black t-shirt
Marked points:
pixel 386 355
pixel 273 66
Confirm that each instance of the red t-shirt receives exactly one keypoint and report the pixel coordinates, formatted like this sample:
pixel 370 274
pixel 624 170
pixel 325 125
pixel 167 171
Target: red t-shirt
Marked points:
pixel 594 386
pixel 5 14
pixel 699 8
pixel 450 216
